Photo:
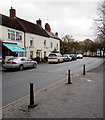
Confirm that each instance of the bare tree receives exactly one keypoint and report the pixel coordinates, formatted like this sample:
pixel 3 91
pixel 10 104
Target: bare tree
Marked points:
pixel 101 26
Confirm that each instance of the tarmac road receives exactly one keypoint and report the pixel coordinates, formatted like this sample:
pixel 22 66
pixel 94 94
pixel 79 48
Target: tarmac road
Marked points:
pixel 15 84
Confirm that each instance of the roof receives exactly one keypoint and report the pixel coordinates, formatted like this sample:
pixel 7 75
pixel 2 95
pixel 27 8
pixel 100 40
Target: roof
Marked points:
pixel 31 27
pixel 52 35
pixel 10 22
pixel 22 25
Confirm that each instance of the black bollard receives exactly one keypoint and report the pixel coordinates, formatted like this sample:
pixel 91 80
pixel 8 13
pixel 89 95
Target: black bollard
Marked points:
pixel 69 78
pixel 84 70
pixel 31 96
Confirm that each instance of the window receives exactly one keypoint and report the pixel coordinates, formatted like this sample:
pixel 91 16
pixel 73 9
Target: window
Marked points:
pixel 31 41
pixel 44 42
pixel 57 45
pixel 9 34
pixel 39 53
pixel 44 53
pixel 12 35
pixel 51 45
pixel 31 54
pixel 23 59
pixel 16 36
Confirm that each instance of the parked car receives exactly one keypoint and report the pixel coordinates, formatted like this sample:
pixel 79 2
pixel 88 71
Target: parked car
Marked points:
pixel 20 63
pixel 79 56
pixel 73 56
pixel 0 61
pixel 55 57
pixel 67 57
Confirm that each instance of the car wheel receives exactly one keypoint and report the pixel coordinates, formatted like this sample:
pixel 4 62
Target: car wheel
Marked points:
pixel 21 67
pixel 34 65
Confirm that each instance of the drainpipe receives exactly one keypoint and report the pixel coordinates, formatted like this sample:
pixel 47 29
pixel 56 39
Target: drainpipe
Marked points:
pixel 25 43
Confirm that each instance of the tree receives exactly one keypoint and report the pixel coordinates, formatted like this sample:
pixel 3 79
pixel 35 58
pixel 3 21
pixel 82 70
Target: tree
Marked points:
pixel 100 22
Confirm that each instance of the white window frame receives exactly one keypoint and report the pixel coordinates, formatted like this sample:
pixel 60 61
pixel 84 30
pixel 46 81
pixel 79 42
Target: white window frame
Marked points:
pixel 51 45
pixel 45 43
pixel 14 35
pixel 31 41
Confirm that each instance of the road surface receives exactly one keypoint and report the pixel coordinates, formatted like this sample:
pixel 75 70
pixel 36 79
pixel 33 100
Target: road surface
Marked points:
pixel 15 84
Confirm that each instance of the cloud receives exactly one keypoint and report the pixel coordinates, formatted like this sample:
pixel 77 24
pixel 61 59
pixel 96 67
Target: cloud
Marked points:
pixel 74 17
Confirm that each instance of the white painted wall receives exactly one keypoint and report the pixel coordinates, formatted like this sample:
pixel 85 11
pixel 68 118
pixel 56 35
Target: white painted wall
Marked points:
pixel 38 44
pixel 4 35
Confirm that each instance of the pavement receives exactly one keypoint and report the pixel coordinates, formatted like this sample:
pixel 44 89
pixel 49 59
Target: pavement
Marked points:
pixel 81 99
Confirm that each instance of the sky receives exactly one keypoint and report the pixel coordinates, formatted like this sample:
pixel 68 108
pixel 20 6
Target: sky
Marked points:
pixel 67 17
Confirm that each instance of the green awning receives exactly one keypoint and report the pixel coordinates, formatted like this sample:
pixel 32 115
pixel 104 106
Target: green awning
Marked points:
pixel 14 47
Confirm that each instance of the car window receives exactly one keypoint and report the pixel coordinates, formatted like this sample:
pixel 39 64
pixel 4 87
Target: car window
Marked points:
pixel 29 59
pixel 52 55
pixel 23 59
pixel 10 59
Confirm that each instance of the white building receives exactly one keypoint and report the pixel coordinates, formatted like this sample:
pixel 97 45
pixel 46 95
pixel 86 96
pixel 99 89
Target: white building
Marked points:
pixel 29 36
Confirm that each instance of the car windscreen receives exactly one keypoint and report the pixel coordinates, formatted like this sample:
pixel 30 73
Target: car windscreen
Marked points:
pixel 52 55
pixel 11 59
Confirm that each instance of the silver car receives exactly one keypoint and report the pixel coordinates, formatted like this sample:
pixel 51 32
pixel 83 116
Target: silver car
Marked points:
pixel 0 61
pixel 20 63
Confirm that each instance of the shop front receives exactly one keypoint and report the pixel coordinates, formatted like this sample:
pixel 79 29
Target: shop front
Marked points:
pixel 12 49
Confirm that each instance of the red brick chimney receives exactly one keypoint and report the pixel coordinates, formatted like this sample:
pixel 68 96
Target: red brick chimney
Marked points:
pixel 47 27
pixel 12 12
pixel 39 22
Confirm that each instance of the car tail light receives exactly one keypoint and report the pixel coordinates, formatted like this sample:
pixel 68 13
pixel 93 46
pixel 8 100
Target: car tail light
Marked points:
pixel 14 62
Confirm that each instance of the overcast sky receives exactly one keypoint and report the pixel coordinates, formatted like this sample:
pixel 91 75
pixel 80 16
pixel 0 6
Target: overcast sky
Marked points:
pixel 67 17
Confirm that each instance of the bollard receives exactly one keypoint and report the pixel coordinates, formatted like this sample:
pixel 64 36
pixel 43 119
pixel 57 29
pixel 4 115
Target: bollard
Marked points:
pixel 69 78
pixel 84 70
pixel 31 96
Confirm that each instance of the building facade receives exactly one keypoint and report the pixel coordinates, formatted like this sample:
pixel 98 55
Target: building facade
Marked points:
pixel 31 37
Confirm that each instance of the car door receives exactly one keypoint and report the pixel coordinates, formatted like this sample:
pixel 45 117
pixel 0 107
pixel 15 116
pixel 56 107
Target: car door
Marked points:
pixel 30 63
pixel 24 62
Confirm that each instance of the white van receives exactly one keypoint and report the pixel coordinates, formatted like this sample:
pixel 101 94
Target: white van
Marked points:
pixel 55 57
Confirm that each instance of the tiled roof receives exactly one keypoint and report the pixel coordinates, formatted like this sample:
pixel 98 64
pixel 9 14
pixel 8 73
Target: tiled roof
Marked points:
pixel 10 22
pixel 25 26
pixel 52 35
pixel 22 25
pixel 32 28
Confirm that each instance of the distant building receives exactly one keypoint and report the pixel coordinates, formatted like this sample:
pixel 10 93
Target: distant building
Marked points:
pixel 68 38
pixel 30 38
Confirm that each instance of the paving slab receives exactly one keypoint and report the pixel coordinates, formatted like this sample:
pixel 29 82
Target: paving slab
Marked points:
pixel 81 99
